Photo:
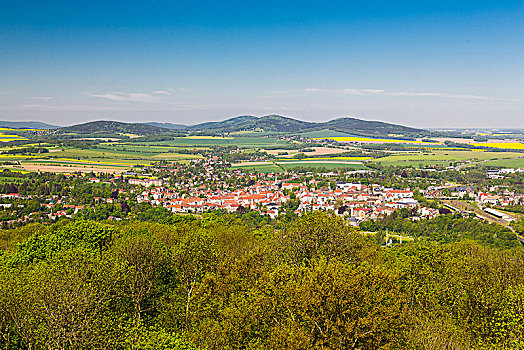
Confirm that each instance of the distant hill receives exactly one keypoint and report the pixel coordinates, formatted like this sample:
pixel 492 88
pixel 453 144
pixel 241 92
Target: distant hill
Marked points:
pixel 168 125
pixel 359 126
pixel 111 127
pixel 231 123
pixel 283 124
pixel 277 123
pixel 274 123
pixel 27 125
pixel 269 123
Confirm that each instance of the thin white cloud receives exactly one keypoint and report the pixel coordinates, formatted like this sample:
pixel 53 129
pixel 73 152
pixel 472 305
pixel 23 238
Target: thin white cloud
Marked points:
pixel 162 92
pixel 371 92
pixel 136 97
pixel 42 98
pixel 315 90
pixel 166 107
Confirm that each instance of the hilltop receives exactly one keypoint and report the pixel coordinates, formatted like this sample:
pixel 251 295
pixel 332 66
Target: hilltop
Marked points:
pixel 112 127
pixel 171 126
pixel 268 124
pixel 354 125
pixel 277 123
pixel 26 125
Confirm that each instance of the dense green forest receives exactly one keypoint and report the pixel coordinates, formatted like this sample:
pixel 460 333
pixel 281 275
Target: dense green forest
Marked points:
pixel 226 281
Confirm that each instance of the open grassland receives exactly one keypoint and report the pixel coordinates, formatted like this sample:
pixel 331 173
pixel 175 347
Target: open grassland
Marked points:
pixel 261 167
pixel 325 133
pixel 442 157
pixel 176 156
pixel 8 147
pixel 65 161
pixel 139 156
pixel 196 137
pixel 67 168
pixel 149 147
pixel 247 142
pixel 319 151
pixel 506 163
pixel 10 179
pixel 326 164
pixel 102 158
pixel 281 166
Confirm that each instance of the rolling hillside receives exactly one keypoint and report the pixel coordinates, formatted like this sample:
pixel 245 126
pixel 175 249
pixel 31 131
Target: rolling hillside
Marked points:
pixel 226 125
pixel 26 125
pixel 112 127
pixel 270 123
pixel 276 123
pixel 365 127
pixel 168 125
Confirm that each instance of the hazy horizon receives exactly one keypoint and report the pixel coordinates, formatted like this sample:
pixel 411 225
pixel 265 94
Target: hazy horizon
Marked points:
pixel 424 65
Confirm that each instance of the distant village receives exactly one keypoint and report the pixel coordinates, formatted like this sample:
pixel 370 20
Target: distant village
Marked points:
pixel 210 188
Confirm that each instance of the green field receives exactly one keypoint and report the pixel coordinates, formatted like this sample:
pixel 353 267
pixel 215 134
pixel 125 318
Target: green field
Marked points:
pixel 442 157
pixel 148 148
pixel 327 165
pixel 118 154
pixel 234 141
pixel 88 163
pixel 10 179
pixel 323 133
pixel 263 168
pixel 507 163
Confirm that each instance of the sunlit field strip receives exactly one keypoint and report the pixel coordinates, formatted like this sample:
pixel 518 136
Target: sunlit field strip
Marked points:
pixel 80 161
pixel 130 145
pixel 507 134
pixel 205 138
pixel 504 145
pixel 9 156
pixel 327 158
pixel 368 139
pixel 5 138
pixel 15 170
pixel 10 135
pixel 39 145
pixel 58 164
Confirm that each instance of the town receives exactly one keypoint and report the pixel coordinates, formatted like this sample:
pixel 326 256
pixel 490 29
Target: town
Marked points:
pixel 207 185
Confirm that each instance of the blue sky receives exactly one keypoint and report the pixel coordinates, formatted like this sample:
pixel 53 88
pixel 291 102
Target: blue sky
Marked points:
pixel 420 63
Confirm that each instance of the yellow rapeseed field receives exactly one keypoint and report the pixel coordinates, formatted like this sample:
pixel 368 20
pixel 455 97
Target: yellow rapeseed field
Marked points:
pixel 504 145
pixel 369 139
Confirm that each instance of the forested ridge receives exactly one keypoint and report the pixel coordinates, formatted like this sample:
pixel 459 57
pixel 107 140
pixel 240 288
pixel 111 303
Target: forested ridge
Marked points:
pixel 226 281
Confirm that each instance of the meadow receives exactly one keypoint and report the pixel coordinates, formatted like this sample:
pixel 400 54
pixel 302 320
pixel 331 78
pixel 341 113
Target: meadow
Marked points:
pixel 107 157
pixel 327 165
pixel 507 163
pixel 243 142
pixel 267 167
pixel 123 156
pixel 443 157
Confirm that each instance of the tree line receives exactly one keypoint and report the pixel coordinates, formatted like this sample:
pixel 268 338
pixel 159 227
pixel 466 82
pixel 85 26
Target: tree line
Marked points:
pixel 228 281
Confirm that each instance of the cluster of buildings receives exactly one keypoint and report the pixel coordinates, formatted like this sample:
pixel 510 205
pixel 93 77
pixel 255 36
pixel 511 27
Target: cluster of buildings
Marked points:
pixel 499 198
pixel 500 173
pixel 359 202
